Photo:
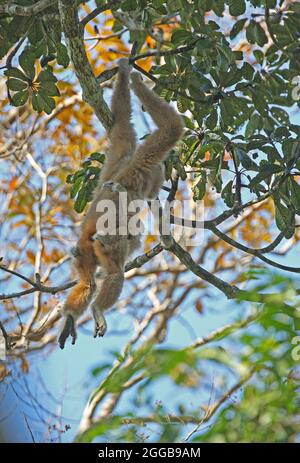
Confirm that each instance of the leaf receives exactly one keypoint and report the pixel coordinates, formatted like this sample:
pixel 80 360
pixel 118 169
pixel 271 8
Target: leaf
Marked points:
pixel 226 52
pixel 42 102
pixel 46 76
pixel 26 61
pixel 218 7
pixel 247 71
pixel 294 189
pixel 238 27
pixel 199 187
pixel 16 84
pixel 62 55
pixel 245 160
pixel 75 187
pixel 237 7
pixel 81 200
pixel 260 103
pixel 182 104
pixel 284 218
pixel 20 98
pixel 212 120
pixel 49 88
pixel 256 34
pixel 280 115
pixel 36 32
pixel 17 73
pixel 100 157
pixel 181 36
pixel 253 124
pixel 259 56
pixel 228 195
pixel 37 102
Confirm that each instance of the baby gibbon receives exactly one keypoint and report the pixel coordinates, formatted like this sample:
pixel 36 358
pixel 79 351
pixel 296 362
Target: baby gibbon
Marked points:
pixel 134 170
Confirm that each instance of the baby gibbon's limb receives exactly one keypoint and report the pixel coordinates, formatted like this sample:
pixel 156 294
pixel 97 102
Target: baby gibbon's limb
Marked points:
pixel 134 170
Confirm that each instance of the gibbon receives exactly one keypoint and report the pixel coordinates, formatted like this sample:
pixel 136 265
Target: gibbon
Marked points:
pixel 137 171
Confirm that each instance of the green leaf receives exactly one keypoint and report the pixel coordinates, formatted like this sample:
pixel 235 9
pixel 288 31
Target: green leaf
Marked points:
pixel 212 120
pixel 218 7
pixel 237 7
pixel 17 73
pixel 256 34
pixel 199 187
pixel 270 3
pixel 259 56
pixel 183 104
pixel 253 125
pixel 100 157
pixel 281 115
pixel 294 189
pixel 228 195
pixel 16 85
pixel 42 102
pixel 26 61
pixel 237 27
pixel 226 52
pixel 36 32
pixel 62 55
pixel 260 103
pixel 204 44
pixel 75 187
pixel 284 218
pixel 81 200
pixel 49 88
pixel 245 160
pixel 46 76
pixel 181 36
pixel 247 71
pixel 20 98
pixel 37 102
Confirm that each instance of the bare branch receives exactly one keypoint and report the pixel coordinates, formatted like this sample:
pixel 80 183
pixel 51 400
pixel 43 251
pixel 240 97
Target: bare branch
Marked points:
pixel 214 408
pixel 98 10
pixel 19 10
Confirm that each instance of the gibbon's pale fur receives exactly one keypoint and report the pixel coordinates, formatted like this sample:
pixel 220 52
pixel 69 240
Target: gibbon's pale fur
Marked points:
pixel 136 170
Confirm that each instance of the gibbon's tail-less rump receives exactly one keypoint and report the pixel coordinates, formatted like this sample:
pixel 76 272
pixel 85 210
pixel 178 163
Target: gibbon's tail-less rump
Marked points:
pixel 134 170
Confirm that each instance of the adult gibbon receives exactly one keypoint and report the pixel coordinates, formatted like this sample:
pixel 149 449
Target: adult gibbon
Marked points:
pixel 138 172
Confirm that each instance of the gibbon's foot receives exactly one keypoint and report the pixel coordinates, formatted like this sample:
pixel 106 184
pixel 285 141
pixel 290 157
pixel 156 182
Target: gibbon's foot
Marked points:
pixel 124 65
pixel 100 323
pixel 68 330
pixel 136 77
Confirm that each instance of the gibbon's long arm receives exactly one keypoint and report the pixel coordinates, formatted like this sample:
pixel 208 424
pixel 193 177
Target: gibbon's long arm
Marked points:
pixel 154 149
pixel 122 135
pixel 134 170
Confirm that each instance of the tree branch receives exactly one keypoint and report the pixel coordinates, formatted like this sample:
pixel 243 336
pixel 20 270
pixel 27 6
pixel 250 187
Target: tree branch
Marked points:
pixel 19 10
pixel 91 90
pixel 98 10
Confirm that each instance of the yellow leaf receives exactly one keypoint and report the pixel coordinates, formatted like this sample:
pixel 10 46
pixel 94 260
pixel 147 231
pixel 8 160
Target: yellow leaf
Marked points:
pixel 145 63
